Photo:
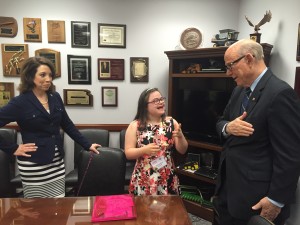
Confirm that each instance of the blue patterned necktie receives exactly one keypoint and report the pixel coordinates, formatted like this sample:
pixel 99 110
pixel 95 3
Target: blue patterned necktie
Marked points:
pixel 247 93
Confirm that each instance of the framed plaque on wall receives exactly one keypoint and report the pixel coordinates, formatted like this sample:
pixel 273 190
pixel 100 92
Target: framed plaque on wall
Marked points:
pixel 56 31
pixel 32 29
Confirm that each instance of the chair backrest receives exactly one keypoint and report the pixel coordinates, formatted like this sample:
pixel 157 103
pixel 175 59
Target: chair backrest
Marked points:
pixel 5 185
pixel 100 136
pixel 259 220
pixel 101 174
pixel 122 139
pixel 10 136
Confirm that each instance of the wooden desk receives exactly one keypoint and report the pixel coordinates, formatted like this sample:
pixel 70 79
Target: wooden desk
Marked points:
pixel 154 210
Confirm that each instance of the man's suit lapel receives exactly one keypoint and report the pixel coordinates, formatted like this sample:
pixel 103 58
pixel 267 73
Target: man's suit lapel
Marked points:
pixel 257 92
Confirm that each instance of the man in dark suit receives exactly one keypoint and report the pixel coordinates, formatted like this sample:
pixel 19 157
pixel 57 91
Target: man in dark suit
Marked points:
pixel 260 162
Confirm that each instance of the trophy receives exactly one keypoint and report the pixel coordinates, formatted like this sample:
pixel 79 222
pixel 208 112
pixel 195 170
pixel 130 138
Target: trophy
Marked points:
pixel 256 36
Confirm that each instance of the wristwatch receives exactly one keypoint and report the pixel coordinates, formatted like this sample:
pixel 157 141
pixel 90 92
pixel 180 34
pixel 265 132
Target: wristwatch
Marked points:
pixel 8 27
pixel 191 38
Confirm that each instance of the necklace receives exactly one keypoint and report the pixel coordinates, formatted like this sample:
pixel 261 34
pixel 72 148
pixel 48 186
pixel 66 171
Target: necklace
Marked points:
pixel 44 103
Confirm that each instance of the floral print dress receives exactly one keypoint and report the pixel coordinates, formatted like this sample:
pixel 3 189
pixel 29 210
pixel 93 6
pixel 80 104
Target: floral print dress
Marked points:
pixel 147 180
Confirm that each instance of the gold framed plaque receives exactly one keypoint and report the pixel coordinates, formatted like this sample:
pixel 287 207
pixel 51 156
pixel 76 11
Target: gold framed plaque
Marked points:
pixel 32 29
pixel 13 56
pixel 139 69
pixel 110 69
pixel 53 55
pixel 7 92
pixel 111 35
pixel 56 31
pixel 78 97
pixel 109 96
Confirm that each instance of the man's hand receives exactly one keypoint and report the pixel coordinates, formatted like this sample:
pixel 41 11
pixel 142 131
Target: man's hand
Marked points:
pixel 268 210
pixel 239 127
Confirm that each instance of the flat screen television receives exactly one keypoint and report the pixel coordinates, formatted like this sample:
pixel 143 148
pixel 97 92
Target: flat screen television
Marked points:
pixel 200 106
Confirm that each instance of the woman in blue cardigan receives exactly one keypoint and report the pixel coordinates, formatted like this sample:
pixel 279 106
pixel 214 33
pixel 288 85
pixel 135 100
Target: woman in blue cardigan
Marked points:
pixel 40 113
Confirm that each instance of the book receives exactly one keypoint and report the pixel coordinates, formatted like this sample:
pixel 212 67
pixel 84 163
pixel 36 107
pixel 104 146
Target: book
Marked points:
pixel 113 207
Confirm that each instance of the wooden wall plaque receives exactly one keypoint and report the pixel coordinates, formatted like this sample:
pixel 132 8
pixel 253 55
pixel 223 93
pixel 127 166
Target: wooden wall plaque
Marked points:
pixel 32 29
pixel 8 26
pixel 13 56
pixel 56 31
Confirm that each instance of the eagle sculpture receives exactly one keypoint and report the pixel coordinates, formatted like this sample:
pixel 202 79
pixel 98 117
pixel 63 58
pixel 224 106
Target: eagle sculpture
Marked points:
pixel 267 17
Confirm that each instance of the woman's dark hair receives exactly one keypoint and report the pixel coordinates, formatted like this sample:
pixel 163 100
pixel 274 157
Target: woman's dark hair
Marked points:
pixel 28 72
pixel 142 111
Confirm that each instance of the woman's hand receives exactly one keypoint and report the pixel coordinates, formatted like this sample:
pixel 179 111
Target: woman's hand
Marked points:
pixel 23 149
pixel 151 149
pixel 94 147
pixel 178 132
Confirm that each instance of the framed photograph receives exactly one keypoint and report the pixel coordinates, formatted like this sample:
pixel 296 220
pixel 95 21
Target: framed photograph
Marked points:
pixel 78 97
pixel 79 69
pixel 53 55
pixel 7 92
pixel 110 69
pixel 298 44
pixel 139 69
pixel 56 31
pixel 81 34
pixel 112 35
pixel 32 29
pixel 13 56
pixel 109 96
pixel 82 206
pixel 297 81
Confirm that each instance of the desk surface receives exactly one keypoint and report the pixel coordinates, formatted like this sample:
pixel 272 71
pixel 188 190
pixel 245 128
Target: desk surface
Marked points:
pixel 152 210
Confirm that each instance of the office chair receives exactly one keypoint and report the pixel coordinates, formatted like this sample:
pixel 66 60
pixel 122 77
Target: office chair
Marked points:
pixel 259 220
pixel 129 163
pixel 10 135
pixel 101 174
pixel 100 136
pixel 6 189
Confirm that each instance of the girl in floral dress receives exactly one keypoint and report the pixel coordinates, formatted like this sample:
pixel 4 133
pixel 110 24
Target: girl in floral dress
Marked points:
pixel 150 139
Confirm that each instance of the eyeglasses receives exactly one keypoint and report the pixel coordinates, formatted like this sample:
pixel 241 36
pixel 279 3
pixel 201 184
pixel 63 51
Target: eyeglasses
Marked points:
pixel 230 65
pixel 157 101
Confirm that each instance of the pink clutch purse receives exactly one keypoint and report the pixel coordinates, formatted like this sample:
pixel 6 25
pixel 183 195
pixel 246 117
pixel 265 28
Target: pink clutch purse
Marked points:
pixel 113 207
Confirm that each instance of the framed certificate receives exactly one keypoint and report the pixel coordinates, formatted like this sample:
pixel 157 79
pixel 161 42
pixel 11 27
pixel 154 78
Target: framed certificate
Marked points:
pixel 79 69
pixel 56 31
pixel 139 69
pixel 110 69
pixel 81 34
pixel 53 55
pixel 7 92
pixel 109 96
pixel 78 97
pixel 32 29
pixel 13 56
pixel 112 35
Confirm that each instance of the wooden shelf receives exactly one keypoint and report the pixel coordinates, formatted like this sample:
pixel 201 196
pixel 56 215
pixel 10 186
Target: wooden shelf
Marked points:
pixel 198 210
pixel 194 176
pixel 204 145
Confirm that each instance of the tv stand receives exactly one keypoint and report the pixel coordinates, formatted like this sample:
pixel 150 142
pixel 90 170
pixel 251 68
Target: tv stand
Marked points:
pixel 179 76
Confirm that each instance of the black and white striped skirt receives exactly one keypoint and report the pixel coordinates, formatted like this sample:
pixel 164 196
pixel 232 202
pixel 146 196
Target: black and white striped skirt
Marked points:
pixel 43 181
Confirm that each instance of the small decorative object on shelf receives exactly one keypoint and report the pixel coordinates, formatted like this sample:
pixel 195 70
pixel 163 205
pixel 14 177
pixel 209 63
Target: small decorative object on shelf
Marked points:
pixel 256 36
pixel 191 38
pixel 193 68
pixel 226 37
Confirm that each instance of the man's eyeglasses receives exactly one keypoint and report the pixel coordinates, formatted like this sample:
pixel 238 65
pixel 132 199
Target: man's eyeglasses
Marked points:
pixel 157 101
pixel 230 65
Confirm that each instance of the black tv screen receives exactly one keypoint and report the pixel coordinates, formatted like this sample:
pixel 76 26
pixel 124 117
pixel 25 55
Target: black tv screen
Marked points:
pixel 201 107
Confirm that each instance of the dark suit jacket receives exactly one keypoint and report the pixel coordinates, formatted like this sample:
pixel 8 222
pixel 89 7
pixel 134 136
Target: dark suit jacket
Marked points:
pixel 266 163
pixel 38 126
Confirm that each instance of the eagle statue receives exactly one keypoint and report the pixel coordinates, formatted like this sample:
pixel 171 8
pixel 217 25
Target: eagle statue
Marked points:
pixel 267 17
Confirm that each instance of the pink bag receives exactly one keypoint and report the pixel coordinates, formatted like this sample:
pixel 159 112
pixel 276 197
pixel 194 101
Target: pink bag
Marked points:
pixel 113 207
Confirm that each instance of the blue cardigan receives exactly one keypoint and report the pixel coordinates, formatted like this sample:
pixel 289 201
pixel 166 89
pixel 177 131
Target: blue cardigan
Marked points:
pixel 38 126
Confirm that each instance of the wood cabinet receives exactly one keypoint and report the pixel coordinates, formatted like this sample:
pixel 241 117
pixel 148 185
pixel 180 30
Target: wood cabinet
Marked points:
pixel 194 70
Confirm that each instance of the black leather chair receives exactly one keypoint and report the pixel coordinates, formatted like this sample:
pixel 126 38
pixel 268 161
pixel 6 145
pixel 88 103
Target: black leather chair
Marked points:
pixel 7 164
pixel 100 136
pixel 101 174
pixel 129 163
pixel 6 188
pixel 259 220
